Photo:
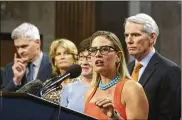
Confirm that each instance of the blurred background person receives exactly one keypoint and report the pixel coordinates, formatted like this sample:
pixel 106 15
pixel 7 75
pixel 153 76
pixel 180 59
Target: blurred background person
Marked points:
pixel 29 63
pixel 160 77
pixel 73 94
pixel 113 94
pixel 63 53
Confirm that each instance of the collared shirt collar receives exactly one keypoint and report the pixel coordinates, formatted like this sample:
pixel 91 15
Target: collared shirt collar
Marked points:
pixel 38 60
pixel 146 59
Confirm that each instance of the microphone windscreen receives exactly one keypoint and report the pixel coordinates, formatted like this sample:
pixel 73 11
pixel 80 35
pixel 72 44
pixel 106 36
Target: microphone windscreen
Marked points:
pixel 32 87
pixel 74 70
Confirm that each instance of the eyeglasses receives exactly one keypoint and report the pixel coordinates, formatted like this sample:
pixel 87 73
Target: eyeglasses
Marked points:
pixel 82 57
pixel 103 50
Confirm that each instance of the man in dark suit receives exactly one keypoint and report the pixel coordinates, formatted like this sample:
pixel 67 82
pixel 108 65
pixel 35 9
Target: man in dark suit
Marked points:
pixel 160 77
pixel 29 63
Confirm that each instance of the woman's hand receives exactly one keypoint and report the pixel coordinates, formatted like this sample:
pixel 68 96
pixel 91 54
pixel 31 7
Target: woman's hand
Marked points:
pixel 106 105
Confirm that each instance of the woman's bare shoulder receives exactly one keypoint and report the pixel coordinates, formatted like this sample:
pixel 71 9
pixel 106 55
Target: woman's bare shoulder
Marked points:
pixel 132 87
pixel 132 84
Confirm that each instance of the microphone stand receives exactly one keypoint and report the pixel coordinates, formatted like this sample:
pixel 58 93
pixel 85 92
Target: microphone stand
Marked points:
pixel 53 84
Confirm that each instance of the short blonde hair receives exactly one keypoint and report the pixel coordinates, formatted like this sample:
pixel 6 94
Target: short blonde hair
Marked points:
pixel 69 46
pixel 121 66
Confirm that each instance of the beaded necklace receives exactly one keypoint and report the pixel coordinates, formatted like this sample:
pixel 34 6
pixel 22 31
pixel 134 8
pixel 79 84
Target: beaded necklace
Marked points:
pixel 110 84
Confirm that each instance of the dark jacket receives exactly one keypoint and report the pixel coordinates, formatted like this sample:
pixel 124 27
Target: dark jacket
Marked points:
pixel 45 72
pixel 161 81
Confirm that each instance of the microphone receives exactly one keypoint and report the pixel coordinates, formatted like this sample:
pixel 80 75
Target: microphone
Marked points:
pixel 72 72
pixel 32 87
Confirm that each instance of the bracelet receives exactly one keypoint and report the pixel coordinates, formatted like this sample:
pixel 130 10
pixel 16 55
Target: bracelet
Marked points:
pixel 115 116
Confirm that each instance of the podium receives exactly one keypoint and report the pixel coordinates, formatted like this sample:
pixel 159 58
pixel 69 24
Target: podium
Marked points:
pixel 24 106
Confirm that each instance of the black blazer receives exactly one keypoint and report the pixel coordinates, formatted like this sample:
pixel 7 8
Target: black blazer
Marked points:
pixel 45 72
pixel 161 81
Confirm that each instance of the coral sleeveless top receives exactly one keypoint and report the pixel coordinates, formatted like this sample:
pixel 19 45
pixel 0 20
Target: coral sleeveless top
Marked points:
pixel 92 110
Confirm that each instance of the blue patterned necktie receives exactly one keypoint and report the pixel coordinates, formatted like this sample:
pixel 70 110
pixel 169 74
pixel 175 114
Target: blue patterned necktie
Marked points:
pixel 31 71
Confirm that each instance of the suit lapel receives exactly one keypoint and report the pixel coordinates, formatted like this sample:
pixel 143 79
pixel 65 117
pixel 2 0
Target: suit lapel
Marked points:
pixel 41 69
pixel 149 70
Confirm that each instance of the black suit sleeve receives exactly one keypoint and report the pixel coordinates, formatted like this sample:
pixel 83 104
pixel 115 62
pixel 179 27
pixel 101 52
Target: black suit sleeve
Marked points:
pixel 11 87
pixel 170 95
pixel 6 76
pixel 7 79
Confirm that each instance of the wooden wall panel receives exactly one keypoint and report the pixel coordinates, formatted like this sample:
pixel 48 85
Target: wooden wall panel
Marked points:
pixel 7 49
pixel 75 20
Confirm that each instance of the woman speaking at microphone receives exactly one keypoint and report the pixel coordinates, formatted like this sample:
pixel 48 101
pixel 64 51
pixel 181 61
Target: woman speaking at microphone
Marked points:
pixel 62 54
pixel 113 94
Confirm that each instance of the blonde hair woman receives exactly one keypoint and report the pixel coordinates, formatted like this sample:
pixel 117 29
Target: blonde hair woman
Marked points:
pixel 113 94
pixel 62 53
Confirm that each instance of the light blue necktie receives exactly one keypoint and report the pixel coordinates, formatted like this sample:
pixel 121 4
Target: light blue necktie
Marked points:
pixel 31 71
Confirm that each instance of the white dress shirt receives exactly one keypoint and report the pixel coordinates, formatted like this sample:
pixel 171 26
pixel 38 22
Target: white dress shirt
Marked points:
pixel 145 62
pixel 37 63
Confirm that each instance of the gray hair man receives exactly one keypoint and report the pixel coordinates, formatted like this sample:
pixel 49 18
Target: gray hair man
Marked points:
pixel 30 62
pixel 159 76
